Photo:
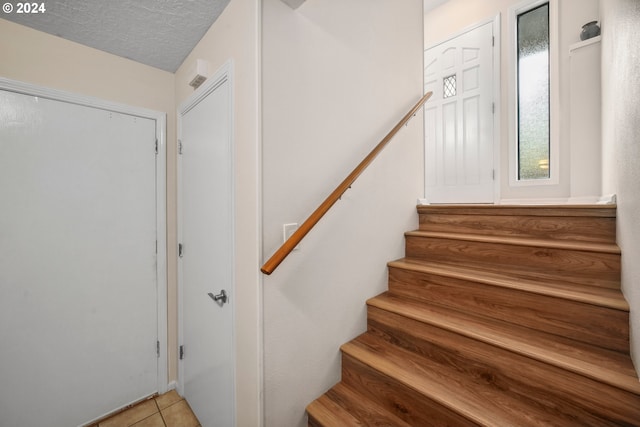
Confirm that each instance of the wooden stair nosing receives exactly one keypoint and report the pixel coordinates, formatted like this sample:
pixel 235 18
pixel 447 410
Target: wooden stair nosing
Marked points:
pixel 595 211
pixel 482 405
pixel 603 297
pixel 325 412
pixel 535 346
pixel 583 246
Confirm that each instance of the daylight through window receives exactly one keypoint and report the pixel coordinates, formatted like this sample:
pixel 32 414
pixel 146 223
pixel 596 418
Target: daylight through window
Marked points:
pixel 533 94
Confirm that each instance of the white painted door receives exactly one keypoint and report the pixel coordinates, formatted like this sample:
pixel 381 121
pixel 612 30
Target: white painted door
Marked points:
pixel 78 286
pixel 207 366
pixel 459 119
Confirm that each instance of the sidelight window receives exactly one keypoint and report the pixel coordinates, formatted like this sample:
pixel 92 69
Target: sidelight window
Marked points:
pixel 533 93
pixel 533 87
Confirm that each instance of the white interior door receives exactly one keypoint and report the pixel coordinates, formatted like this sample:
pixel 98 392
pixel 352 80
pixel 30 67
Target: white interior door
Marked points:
pixel 78 283
pixel 459 119
pixel 206 191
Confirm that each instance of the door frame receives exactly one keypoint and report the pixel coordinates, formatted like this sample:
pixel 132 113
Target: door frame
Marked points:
pixel 223 74
pixel 497 39
pixel 160 119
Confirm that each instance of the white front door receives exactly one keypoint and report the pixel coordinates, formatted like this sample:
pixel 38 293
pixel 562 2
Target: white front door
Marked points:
pixel 78 278
pixel 459 119
pixel 206 235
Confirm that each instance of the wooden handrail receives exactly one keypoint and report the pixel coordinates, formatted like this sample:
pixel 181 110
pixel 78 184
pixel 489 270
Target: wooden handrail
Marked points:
pixel 313 219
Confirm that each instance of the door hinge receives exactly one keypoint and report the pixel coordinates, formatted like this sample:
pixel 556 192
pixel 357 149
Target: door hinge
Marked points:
pixel 156 145
pixel 179 146
pixel 180 250
pixel 156 247
pixel 493 107
pixel 158 348
pixel 493 40
pixel 181 352
pixel 493 174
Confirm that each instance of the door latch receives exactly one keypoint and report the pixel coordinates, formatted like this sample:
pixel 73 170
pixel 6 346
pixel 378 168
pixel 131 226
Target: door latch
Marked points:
pixel 221 298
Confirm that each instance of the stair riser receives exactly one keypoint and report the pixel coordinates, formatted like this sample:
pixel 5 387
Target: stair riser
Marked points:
pixel 395 397
pixel 583 229
pixel 593 268
pixel 601 326
pixel 559 392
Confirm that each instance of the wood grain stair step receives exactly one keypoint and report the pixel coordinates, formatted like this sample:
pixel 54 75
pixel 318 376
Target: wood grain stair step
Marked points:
pixel 342 406
pixel 595 223
pixel 598 247
pixel 602 365
pixel 370 363
pixel 592 264
pixel 572 211
pixel 498 316
pixel 324 412
pixel 560 391
pixel 597 316
pixel 552 287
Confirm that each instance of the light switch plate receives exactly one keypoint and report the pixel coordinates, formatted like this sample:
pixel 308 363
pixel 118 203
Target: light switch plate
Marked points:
pixel 288 230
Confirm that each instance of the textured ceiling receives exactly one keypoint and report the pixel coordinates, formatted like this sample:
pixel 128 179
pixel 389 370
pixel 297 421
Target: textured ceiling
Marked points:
pixel 159 33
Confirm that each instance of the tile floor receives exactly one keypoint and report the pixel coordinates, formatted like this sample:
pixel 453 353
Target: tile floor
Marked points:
pixel 166 410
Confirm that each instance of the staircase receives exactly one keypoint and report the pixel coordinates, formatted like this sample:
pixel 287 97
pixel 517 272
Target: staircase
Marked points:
pixel 498 316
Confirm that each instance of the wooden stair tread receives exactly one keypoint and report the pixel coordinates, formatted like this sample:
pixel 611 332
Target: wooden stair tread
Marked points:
pixel 522 241
pixel 606 366
pixel 352 409
pixel 328 413
pixel 485 406
pixel 605 297
pixel 592 210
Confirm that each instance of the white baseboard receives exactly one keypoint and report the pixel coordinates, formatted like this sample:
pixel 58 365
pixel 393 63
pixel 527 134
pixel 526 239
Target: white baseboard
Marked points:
pixel 609 199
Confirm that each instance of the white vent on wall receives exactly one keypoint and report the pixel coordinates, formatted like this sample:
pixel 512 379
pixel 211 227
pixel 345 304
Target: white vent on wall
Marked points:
pixel 199 73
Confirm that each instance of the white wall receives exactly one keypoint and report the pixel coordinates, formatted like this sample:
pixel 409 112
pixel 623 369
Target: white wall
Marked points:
pixel 621 122
pixel 337 76
pixel 456 15
pixel 235 36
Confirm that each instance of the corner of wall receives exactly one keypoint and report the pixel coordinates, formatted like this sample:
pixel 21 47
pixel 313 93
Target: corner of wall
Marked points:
pixel 621 115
